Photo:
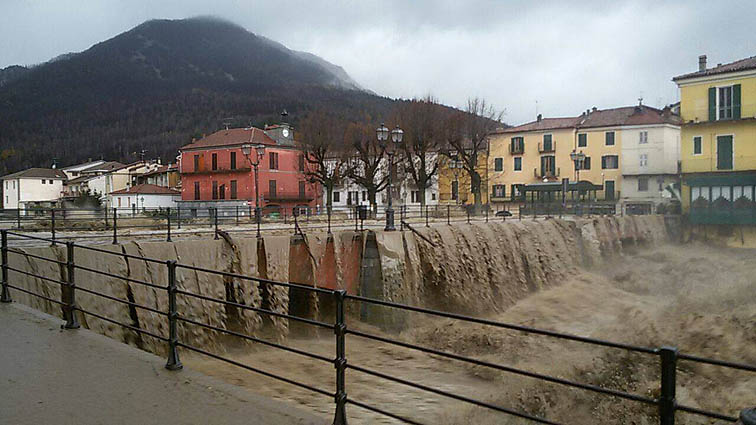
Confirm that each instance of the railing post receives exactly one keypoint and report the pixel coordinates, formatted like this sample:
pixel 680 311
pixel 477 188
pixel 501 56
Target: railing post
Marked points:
pixel 115 226
pixel 72 322
pixel 448 215
pixel 468 215
pixel 667 402
pixel 486 214
pixel 426 216
pixel 237 215
pixel 52 226
pixel 168 239
pixel 215 218
pixel 340 362
pixel 107 223
pixel 173 357
pixel 329 219
pixel 5 296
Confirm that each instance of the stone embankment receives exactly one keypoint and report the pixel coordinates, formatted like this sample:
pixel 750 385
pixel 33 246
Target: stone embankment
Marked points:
pixel 479 268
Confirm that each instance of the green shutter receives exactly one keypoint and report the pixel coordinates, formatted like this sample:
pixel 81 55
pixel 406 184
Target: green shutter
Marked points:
pixel 736 101
pixel 712 103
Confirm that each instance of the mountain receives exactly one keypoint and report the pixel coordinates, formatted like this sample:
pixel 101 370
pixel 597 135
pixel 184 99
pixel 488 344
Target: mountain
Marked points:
pixel 158 85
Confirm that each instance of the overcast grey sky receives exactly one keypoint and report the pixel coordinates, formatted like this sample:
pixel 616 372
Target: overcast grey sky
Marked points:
pixel 522 56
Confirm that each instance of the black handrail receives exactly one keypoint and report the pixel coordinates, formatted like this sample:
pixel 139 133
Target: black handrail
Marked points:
pixel 668 356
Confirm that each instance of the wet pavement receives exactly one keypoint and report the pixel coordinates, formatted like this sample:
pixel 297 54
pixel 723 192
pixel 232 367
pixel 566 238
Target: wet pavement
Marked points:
pixel 54 376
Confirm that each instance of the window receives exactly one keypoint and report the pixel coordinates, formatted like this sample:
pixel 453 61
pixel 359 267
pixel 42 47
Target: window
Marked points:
pixel 196 163
pixel 517 145
pixel 518 163
pixel 233 189
pixel 301 190
pixel 233 160
pixel 433 196
pixel 499 190
pixel 586 165
pixel 498 164
pixel 642 184
pixel 273 160
pixel 582 140
pixel 609 138
pixel 364 195
pixel 336 196
pixel 548 165
pixel 272 188
pixel 643 137
pixel 43 181
pixel 697 145
pixel 415 196
pixel 724 153
pixel 644 160
pixel 609 162
pixel 660 181
pixel 455 190
pixel 548 144
pixel 352 198
pixel 215 190
pixel 222 191
pixel 724 103
pixel 215 161
pixel 301 163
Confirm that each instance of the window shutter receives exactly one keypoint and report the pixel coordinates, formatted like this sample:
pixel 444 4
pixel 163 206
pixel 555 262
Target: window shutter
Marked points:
pixel 603 162
pixel 736 101
pixel 712 103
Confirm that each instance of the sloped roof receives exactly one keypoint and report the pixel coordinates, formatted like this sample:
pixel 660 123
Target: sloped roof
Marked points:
pixel 47 173
pixel 738 65
pixel 543 124
pixel 232 136
pixel 628 115
pixel 104 167
pixel 146 189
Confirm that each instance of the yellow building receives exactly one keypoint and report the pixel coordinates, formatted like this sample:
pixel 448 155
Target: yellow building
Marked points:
pixel 454 185
pixel 540 152
pixel 718 142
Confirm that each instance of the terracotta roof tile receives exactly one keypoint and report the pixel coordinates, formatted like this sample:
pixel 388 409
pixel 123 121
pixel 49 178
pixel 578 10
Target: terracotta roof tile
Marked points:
pixel 232 136
pixel 738 65
pixel 48 173
pixel 543 124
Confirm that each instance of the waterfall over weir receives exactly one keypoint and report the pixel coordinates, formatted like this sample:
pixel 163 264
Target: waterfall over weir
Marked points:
pixel 477 268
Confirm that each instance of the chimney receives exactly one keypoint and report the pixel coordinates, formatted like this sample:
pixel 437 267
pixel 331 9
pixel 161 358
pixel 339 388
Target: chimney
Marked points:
pixel 702 63
pixel 539 117
pixel 594 109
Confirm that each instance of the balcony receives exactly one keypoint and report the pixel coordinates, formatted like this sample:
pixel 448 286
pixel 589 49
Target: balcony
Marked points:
pixel 516 149
pixel 219 171
pixel 547 147
pixel 279 196
pixel 549 174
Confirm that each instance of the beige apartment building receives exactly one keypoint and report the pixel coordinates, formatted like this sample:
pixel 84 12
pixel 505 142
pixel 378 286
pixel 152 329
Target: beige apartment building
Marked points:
pixel 540 152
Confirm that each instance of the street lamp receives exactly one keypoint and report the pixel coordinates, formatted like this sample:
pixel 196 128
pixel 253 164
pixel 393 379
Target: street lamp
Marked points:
pixel 577 158
pixel 397 135
pixel 260 152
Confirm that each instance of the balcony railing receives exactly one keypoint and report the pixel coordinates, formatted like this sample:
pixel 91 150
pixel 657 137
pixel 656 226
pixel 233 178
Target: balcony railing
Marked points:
pixel 547 147
pixel 279 196
pixel 546 173
pixel 219 171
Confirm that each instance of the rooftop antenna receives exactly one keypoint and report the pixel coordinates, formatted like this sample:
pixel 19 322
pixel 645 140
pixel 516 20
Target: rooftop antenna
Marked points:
pixel 141 154
pixel 640 100
pixel 284 114
pixel 227 122
pixel 536 107
pixel 55 163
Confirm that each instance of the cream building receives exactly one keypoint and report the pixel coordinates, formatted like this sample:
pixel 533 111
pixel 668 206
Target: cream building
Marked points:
pixel 35 187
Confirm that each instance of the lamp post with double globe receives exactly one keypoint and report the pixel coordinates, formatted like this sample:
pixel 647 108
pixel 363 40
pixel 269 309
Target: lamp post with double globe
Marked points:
pixel 397 135
pixel 260 152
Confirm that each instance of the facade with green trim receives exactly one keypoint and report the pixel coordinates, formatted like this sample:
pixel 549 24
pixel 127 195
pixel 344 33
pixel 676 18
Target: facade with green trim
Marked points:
pixel 718 143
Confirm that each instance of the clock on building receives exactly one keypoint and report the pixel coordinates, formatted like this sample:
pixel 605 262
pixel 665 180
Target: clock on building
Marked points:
pixel 285 132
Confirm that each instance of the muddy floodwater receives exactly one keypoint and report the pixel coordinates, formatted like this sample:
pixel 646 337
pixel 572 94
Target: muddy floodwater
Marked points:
pixel 698 298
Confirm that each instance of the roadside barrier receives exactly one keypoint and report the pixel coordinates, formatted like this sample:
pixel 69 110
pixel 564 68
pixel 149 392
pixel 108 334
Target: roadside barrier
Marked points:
pixel 668 357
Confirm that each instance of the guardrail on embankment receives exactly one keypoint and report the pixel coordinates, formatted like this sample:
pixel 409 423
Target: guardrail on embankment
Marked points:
pixel 174 317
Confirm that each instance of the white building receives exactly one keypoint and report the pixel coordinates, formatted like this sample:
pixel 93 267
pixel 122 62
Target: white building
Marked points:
pixel 35 187
pixel 650 163
pixel 349 193
pixel 144 197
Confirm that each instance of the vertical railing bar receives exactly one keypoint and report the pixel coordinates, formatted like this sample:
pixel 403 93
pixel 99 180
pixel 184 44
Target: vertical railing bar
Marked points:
pixel 667 403
pixel 115 226
pixel 340 362
pixel 5 295
pixel 52 225
pixel 168 239
pixel 68 293
pixel 173 363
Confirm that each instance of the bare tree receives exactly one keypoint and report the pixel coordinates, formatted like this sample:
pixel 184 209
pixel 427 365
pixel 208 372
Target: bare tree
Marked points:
pixel 325 158
pixel 421 121
pixel 368 155
pixel 466 136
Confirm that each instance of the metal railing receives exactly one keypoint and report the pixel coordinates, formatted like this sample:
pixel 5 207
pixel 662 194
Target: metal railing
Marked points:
pixel 668 357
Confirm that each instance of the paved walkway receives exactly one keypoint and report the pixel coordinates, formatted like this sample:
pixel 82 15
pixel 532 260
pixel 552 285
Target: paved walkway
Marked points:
pixel 51 376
